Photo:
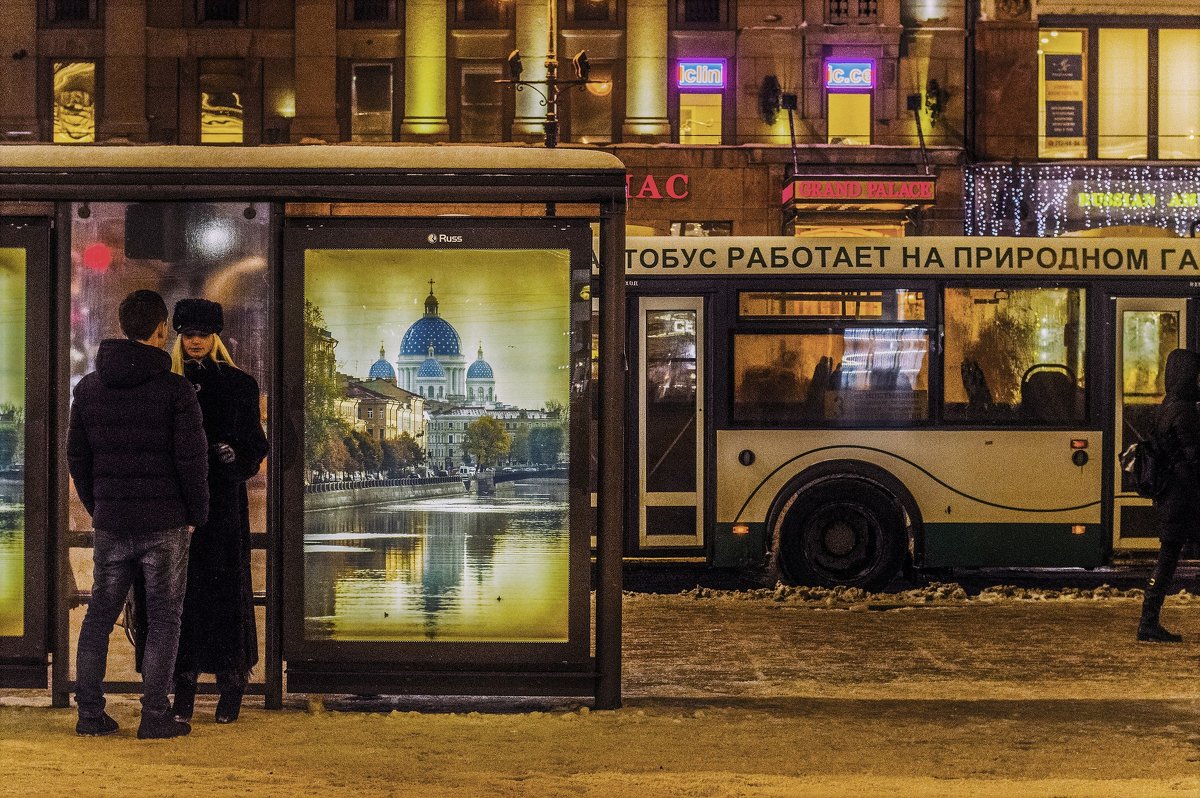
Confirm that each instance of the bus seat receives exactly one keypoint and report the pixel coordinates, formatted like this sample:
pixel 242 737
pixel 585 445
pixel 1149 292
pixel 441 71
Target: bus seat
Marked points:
pixel 1048 393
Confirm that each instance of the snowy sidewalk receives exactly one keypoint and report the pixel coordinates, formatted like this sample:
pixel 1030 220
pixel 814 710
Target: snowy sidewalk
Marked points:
pixel 746 694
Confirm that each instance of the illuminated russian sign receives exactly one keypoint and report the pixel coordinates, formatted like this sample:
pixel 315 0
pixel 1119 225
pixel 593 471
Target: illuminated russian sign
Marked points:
pixel 860 189
pixel 708 74
pixel 849 74
pixel 1136 199
pixel 656 187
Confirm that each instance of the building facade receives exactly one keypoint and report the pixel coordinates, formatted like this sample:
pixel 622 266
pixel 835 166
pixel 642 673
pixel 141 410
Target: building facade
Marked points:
pixel 714 104
pixel 1088 119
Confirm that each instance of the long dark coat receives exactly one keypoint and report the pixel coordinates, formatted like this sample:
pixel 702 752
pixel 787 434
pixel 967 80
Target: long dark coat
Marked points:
pixel 1179 423
pixel 218 629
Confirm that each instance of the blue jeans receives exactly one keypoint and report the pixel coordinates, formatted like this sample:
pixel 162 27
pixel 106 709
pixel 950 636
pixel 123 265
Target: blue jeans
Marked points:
pixel 162 557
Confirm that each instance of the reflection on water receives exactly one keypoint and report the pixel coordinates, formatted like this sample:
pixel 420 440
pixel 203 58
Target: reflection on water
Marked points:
pixel 452 568
pixel 12 560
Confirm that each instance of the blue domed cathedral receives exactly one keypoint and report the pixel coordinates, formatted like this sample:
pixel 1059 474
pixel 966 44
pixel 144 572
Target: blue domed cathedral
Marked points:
pixel 431 362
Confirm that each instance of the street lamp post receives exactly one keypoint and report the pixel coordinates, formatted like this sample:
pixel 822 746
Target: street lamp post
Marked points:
pixel 550 88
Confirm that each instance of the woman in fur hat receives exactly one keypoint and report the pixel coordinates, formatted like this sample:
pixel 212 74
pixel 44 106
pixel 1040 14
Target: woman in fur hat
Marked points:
pixel 218 632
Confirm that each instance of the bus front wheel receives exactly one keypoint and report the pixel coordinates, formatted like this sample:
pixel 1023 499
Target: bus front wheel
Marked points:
pixel 841 532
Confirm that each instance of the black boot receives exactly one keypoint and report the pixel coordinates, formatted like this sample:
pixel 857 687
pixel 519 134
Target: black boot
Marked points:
pixel 232 686
pixel 185 696
pixel 1149 629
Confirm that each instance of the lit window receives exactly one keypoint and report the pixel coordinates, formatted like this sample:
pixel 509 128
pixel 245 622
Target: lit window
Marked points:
pixel 74 102
pixel 1123 93
pixel 1178 99
pixel 371 102
pixel 221 112
pixel 856 375
pixel 849 118
pixel 1015 354
pixel 700 118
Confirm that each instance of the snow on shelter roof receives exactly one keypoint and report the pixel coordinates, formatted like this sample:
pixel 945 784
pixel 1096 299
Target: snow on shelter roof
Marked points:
pixel 449 172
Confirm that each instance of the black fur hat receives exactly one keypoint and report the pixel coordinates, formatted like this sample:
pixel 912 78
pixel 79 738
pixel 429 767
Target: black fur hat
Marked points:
pixel 197 316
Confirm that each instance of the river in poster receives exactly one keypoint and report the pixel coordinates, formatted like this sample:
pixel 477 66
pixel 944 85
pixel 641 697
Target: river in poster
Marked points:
pixel 436 392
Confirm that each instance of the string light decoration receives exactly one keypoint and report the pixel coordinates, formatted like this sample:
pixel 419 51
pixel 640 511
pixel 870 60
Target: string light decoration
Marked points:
pixel 1048 200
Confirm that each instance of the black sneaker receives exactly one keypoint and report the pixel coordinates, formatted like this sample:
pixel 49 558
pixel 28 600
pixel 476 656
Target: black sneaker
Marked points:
pixel 162 727
pixel 101 726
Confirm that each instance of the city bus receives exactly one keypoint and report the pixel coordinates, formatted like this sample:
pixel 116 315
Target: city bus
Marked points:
pixel 838 409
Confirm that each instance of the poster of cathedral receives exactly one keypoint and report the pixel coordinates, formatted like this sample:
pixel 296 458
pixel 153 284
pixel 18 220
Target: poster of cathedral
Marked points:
pixel 430 375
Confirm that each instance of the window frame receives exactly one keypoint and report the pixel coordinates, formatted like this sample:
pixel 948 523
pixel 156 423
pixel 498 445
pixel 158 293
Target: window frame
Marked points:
pixel 197 9
pixel 456 16
pixel 615 18
pixel 346 91
pixel 726 16
pixel 1090 293
pixel 48 16
pixel 1091 26
pixel 46 97
pixel 392 19
pixel 763 325
pixel 454 109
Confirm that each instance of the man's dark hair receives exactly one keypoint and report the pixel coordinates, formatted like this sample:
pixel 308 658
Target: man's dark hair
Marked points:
pixel 141 312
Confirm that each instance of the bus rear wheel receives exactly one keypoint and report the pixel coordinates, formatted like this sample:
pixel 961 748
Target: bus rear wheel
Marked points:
pixel 841 532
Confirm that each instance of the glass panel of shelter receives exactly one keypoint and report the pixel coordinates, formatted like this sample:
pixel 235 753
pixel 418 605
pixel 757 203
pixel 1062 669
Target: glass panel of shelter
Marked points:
pixel 216 251
pixel 12 442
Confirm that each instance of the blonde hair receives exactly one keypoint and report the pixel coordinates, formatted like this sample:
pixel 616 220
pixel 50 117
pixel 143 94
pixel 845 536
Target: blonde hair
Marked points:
pixel 218 353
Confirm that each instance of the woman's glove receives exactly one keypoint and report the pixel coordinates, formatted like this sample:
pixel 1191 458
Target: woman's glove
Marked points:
pixel 224 453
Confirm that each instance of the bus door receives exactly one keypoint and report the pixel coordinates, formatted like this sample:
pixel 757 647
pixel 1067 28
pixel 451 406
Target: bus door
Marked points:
pixel 1147 329
pixel 670 423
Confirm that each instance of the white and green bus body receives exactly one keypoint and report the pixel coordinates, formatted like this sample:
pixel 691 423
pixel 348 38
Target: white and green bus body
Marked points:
pixel 834 406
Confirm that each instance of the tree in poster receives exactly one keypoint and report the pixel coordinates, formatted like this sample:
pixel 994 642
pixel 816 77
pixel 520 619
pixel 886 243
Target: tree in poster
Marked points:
pixel 323 427
pixel 487 440
pixel 545 444
pixel 519 452
pixel 401 453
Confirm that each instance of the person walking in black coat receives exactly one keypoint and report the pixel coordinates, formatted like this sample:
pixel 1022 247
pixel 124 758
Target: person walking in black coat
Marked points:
pixel 1178 424
pixel 219 634
pixel 136 451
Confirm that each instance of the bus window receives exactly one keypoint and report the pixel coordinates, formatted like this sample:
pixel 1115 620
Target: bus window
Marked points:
pixel 897 305
pixel 1015 355
pixel 860 375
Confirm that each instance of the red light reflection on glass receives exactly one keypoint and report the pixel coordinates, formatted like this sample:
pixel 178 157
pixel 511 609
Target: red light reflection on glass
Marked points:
pixel 97 257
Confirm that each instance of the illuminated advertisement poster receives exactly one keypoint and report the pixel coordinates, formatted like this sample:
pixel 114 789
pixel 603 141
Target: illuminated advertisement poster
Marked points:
pixel 436 392
pixel 1063 100
pixel 12 439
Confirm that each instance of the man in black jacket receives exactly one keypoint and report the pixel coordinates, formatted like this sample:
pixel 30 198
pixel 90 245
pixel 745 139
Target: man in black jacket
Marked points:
pixel 1178 424
pixel 137 453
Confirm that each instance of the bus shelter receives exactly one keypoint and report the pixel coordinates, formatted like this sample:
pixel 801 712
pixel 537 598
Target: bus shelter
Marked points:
pixel 421 323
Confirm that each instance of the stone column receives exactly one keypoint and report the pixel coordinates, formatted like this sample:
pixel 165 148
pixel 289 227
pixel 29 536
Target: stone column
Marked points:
pixel 424 71
pixel 646 71
pixel 533 39
pixel 18 77
pixel 316 71
pixel 123 114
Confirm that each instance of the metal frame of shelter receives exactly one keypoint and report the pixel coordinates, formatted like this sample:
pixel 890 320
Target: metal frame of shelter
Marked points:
pixel 40 182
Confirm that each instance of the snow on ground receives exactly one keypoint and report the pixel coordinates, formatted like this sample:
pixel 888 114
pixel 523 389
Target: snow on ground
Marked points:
pixel 782 692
